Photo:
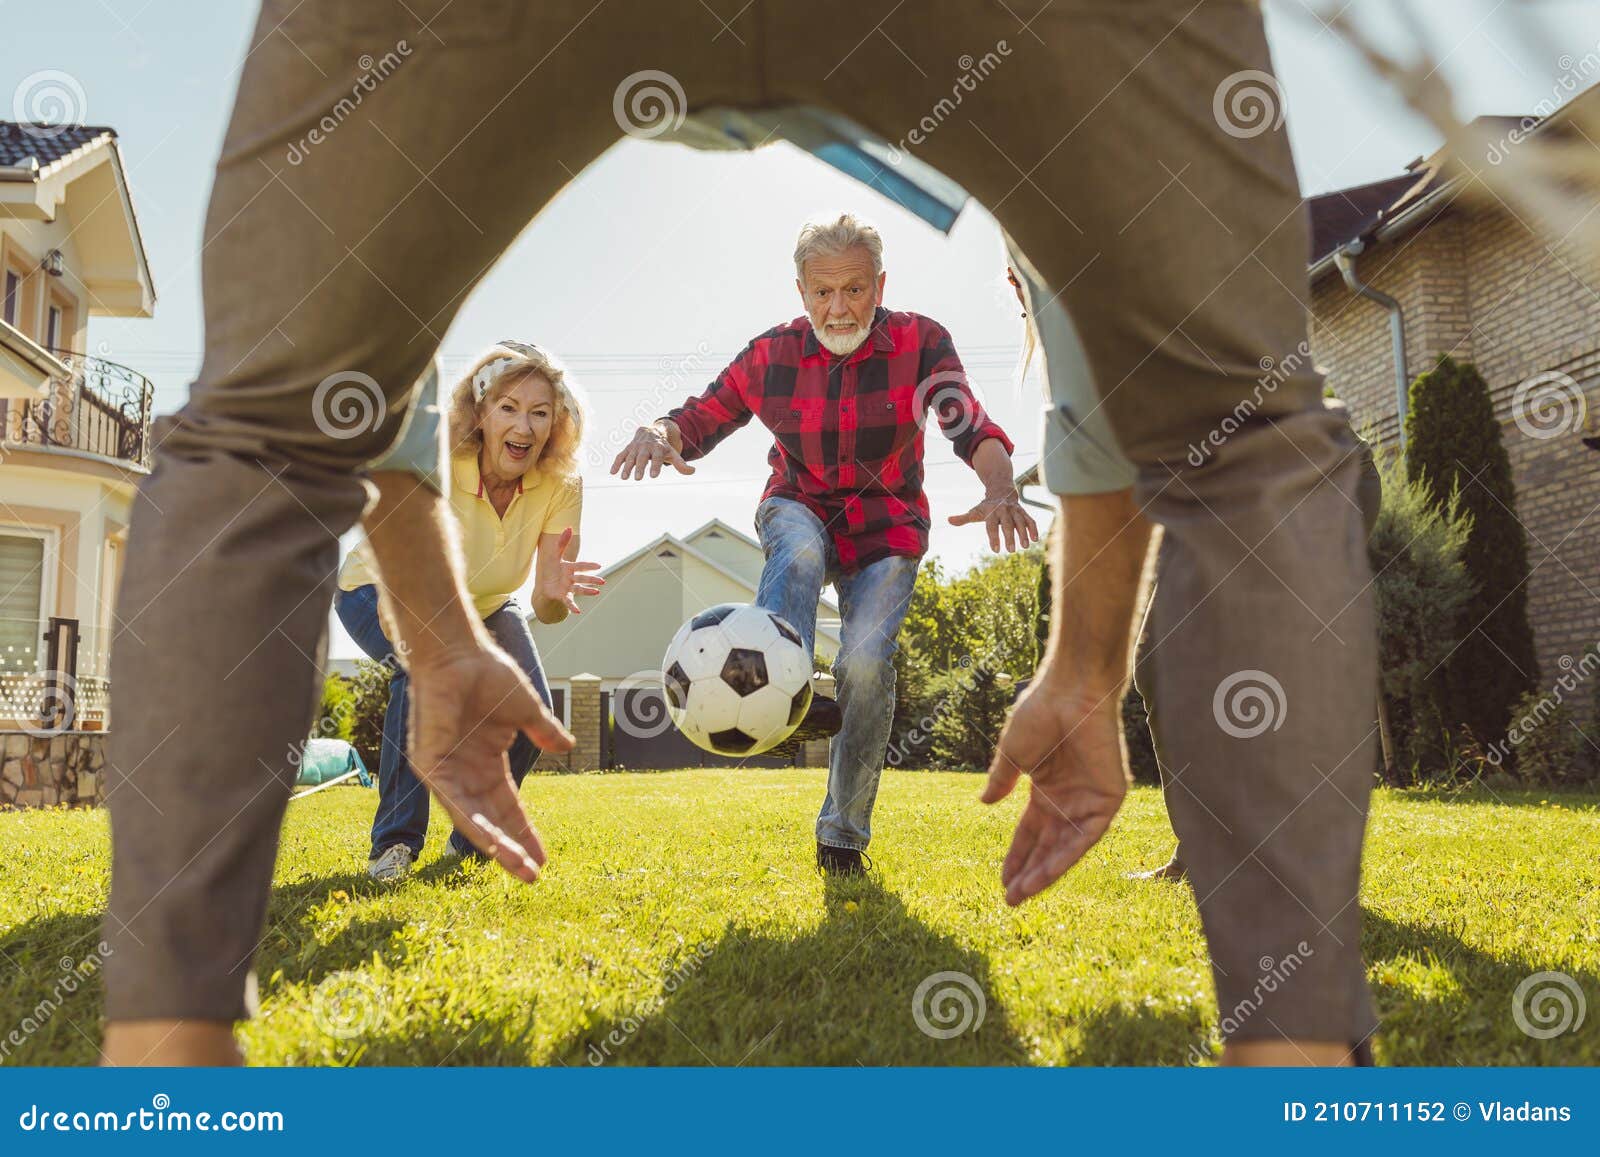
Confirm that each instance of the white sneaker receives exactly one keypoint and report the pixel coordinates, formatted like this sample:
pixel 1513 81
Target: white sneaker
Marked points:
pixel 394 864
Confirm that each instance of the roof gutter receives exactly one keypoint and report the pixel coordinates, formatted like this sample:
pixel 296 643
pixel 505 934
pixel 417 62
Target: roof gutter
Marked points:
pixel 1344 259
pixel 1412 215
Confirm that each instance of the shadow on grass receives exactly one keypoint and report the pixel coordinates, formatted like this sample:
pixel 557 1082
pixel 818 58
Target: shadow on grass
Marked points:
pixel 1469 1019
pixel 59 1027
pixel 839 994
pixel 1520 796
pixel 51 1006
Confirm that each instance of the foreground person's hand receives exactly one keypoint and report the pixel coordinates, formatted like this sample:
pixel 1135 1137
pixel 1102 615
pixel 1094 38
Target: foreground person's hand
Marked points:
pixel 1071 745
pixel 467 706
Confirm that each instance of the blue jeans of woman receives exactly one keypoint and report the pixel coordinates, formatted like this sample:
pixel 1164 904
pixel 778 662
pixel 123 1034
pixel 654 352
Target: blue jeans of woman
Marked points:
pixel 402 800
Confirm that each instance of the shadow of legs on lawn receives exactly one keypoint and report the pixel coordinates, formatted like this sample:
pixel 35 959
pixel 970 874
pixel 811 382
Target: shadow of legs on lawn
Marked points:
pixel 51 995
pixel 1469 1020
pixel 841 993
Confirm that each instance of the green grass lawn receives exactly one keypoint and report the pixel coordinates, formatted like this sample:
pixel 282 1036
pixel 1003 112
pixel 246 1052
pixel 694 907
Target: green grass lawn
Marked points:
pixel 681 922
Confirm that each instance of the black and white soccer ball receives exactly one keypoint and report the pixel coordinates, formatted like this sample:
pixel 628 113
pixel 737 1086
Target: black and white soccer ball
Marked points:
pixel 737 679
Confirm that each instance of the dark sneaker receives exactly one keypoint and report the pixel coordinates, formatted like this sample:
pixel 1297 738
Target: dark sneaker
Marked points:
pixel 832 861
pixel 823 720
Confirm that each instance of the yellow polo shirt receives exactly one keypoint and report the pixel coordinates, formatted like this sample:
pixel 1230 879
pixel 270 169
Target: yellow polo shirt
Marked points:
pixel 499 552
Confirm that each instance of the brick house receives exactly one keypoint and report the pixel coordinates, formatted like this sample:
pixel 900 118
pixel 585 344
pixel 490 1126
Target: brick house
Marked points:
pixel 1475 281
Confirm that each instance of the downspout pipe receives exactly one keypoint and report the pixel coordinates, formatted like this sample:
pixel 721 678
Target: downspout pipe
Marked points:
pixel 1344 259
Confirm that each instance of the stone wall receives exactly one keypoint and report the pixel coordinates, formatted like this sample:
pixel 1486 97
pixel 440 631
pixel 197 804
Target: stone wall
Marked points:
pixel 46 770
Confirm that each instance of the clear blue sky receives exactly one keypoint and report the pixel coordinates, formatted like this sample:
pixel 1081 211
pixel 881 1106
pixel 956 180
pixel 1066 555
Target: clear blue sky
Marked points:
pixel 625 286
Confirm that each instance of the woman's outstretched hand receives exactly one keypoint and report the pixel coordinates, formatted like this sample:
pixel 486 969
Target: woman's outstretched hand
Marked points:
pixel 570 578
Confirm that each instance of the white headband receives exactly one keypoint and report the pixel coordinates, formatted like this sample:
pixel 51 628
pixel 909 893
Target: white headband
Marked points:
pixel 485 378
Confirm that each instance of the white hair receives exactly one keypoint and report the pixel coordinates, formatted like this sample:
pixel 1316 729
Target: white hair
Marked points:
pixel 831 238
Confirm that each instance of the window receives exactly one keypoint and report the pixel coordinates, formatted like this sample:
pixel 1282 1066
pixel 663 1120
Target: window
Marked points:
pixel 20 303
pixel 25 559
pixel 60 318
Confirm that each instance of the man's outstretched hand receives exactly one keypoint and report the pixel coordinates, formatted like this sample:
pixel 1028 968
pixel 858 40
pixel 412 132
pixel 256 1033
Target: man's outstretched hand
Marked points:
pixel 466 708
pixel 1071 746
pixel 1002 515
pixel 652 447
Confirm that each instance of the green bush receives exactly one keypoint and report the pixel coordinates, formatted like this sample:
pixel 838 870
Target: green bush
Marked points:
pixel 1545 741
pixel 1454 448
pixel 369 689
pixel 1422 587
pixel 338 710
pixel 961 633
pixel 972 705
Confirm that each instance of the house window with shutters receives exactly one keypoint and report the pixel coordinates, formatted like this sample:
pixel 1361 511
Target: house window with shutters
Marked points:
pixel 26 561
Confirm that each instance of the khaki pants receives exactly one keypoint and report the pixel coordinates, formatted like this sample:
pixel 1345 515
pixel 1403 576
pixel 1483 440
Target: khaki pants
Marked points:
pixel 1180 251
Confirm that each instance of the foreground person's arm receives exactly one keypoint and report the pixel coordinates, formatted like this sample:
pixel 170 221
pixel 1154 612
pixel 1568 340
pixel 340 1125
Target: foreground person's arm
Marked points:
pixel 468 700
pixel 1066 731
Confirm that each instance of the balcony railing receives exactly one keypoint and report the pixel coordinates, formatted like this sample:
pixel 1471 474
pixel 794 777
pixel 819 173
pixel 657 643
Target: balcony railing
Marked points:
pixel 53 677
pixel 102 408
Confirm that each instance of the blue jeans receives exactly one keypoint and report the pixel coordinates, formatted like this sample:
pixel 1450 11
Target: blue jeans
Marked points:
pixel 873 603
pixel 402 800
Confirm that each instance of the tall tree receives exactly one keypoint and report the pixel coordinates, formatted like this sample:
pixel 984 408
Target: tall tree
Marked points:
pixel 1454 446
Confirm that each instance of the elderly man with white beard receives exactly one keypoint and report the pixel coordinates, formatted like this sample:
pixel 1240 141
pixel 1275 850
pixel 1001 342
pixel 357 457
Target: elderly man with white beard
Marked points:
pixel 846 390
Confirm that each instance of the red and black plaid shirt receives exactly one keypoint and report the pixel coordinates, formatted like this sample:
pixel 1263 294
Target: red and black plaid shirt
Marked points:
pixel 848 431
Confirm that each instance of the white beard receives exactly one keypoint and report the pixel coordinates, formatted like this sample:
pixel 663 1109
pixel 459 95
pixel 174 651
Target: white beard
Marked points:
pixel 842 345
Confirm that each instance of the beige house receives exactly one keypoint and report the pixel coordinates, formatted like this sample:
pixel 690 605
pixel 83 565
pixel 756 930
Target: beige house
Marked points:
pixel 616 645
pixel 73 435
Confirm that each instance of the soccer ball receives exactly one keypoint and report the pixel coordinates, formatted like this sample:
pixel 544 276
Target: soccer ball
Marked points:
pixel 737 680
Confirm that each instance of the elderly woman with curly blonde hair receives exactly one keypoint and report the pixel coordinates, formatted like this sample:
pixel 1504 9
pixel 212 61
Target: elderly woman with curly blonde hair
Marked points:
pixel 515 429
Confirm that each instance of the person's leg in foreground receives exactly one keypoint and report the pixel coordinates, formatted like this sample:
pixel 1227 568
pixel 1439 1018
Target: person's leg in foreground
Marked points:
pixel 1173 241
pixel 328 280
